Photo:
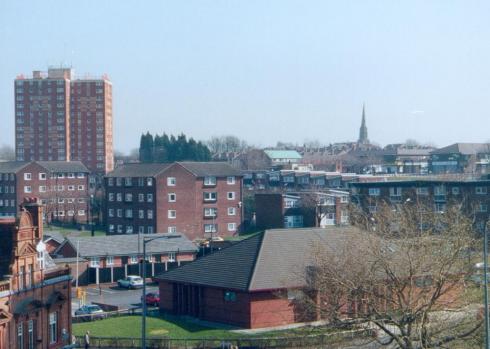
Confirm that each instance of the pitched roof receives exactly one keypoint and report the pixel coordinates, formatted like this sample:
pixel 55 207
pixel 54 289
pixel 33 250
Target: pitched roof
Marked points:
pixel 12 166
pixel 123 245
pixel 138 170
pixel 283 154
pixel 464 148
pixel 217 169
pixel 63 166
pixel 53 235
pixel 274 259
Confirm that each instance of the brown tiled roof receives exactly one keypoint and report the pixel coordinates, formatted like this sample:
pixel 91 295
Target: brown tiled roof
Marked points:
pixel 274 259
pixel 216 169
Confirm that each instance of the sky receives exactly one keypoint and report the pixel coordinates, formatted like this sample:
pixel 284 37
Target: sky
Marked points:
pixel 265 71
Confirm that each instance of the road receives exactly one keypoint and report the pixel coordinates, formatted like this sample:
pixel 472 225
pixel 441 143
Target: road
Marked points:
pixel 113 295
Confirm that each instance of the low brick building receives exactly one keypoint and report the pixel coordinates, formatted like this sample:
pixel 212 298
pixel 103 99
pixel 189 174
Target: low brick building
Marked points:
pixel 302 209
pixel 197 199
pixel 111 258
pixel 251 284
pixel 61 186
pixel 35 303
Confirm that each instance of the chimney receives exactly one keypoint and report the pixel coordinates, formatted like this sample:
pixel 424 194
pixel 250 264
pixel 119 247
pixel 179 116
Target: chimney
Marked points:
pixel 32 205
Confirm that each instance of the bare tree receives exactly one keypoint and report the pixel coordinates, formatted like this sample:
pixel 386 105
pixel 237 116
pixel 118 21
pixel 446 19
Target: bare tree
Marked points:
pixel 7 153
pixel 407 283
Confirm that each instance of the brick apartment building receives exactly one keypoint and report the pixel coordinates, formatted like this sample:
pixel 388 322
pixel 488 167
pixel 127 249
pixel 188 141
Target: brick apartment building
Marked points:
pixel 35 294
pixel 197 199
pixel 301 209
pixel 439 193
pixel 62 186
pixel 60 118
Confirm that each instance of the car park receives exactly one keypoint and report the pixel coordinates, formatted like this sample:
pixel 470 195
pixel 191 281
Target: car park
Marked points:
pixel 152 298
pixel 90 312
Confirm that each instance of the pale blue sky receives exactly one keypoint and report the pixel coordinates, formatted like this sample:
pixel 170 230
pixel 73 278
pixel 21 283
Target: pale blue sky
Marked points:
pixel 265 70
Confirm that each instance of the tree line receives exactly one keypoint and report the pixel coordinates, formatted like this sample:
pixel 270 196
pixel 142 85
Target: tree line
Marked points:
pixel 164 148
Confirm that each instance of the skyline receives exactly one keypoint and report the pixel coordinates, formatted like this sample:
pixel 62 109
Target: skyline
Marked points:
pixel 254 69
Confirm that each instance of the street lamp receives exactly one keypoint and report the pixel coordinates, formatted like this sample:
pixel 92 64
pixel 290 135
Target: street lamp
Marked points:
pixel 143 298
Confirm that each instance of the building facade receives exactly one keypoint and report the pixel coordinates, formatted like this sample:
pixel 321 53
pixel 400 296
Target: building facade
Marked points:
pixel 58 118
pixel 196 199
pixel 35 294
pixel 62 186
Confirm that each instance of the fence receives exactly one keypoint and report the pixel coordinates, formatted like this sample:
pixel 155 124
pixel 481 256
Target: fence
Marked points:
pixel 107 314
pixel 309 341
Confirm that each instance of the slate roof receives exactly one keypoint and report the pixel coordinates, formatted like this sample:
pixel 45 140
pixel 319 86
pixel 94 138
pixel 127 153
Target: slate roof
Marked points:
pixel 464 148
pixel 12 166
pixel 124 245
pixel 270 260
pixel 63 166
pixel 138 170
pixel 216 169
pixel 54 235
pixel 283 154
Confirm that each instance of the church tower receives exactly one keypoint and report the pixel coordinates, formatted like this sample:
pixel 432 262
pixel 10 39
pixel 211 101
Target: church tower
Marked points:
pixel 363 132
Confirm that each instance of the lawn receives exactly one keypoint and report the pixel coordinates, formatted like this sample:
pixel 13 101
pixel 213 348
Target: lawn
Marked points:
pixel 65 231
pixel 130 326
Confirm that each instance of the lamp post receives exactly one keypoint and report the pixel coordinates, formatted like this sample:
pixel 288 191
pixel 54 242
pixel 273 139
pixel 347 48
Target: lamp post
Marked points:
pixel 485 280
pixel 143 297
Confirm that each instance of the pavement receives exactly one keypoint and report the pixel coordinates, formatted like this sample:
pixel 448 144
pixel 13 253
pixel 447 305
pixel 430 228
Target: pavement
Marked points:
pixel 112 295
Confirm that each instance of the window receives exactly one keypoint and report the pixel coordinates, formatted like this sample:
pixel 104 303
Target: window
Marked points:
pixel 172 214
pixel 60 188
pixel 149 181
pixel 149 197
pixel 42 176
pixel 128 197
pixel 171 256
pixel 344 199
pixel 422 191
pixel 81 212
pixel 81 187
pixel 133 259
pixel 119 228
pixel 210 228
pixel 94 262
pixel 481 190
pixel 71 175
pixel 440 190
pixel 141 229
pixel 231 211
pixel 293 221
pixel 27 189
pixel 119 197
pixel 119 213
pixel 141 214
pixel 42 188
pixel 111 228
pixel 150 230
pixel 230 180
pixel 111 212
pixel 231 226
pixel 210 196
pixel 81 200
pixel 129 213
pixel 171 181
pixel 30 337
pixel 109 260
pixel 71 187
pixel 70 200
pixel 22 272
pixel 141 197
pixel 482 208
pixel 172 197
pixel 118 181
pixel 110 182
pixel 230 296
pixel 129 229
pixel 111 196
pixel 172 229
pixel 230 195
pixel 61 175
pixel 61 201
pixel 208 180
pixel 70 213
pixel 210 212
pixel 27 176
pixel 374 191
pixel 149 214
pixel 128 182
pixel 20 336
pixel 53 328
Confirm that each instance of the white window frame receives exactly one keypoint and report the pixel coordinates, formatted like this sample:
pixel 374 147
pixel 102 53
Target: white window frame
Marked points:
pixel 172 214
pixel 109 260
pixel 27 189
pixel 230 180
pixel 232 195
pixel 42 176
pixel 231 227
pixel 27 176
pixel 172 197
pixel 210 181
pixel 231 211
pixel 171 181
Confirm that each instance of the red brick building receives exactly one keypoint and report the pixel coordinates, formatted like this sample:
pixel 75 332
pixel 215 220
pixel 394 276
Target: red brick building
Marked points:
pixel 197 199
pixel 58 118
pixel 252 284
pixel 302 209
pixel 35 304
pixel 62 186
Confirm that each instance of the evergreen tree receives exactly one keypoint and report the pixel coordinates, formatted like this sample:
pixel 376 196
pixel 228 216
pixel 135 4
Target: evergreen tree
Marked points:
pixel 146 148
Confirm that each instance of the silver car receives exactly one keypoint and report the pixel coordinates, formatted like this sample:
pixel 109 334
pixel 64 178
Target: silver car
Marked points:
pixel 131 281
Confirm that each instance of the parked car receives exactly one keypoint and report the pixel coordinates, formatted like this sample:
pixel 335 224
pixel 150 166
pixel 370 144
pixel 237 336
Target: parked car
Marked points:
pixel 131 281
pixel 152 299
pixel 90 312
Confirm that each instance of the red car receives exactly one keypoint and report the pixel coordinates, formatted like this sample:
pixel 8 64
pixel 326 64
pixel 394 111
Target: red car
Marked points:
pixel 152 299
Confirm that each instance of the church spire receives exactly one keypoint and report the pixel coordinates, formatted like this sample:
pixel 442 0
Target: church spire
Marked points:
pixel 363 132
